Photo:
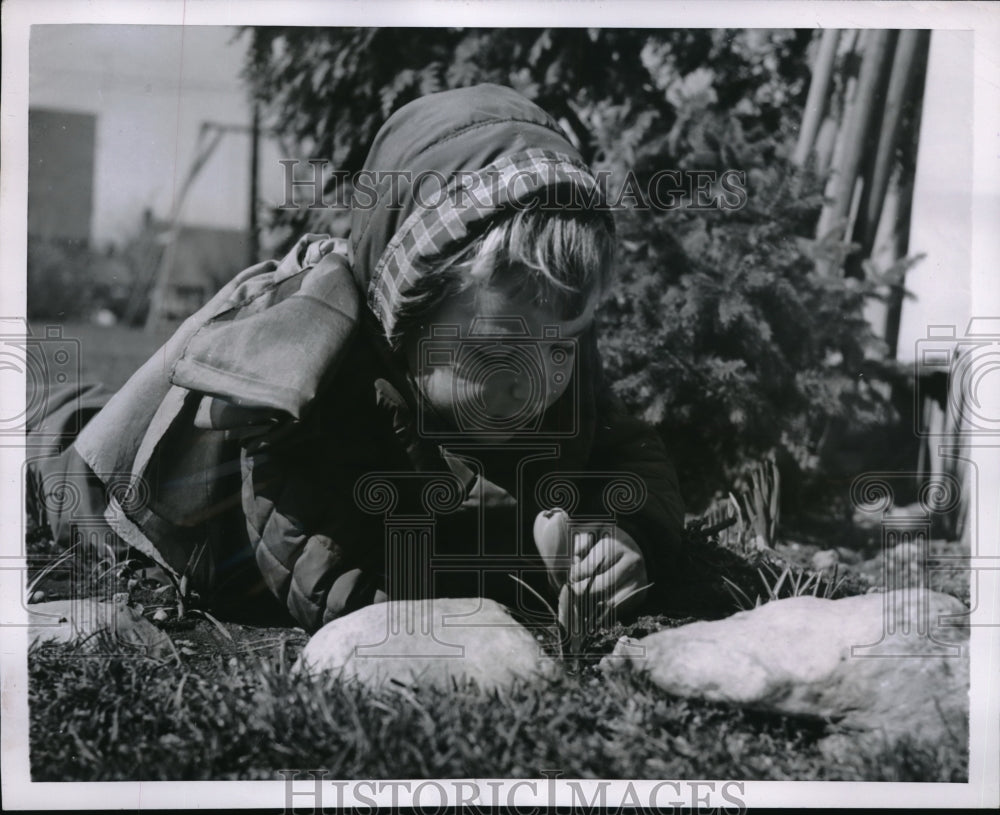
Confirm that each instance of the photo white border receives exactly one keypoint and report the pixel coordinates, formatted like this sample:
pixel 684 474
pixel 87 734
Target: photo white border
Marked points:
pixel 982 790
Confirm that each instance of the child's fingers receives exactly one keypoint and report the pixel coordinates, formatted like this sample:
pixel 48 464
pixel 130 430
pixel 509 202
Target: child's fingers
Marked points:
pixel 584 539
pixel 598 584
pixel 607 568
pixel 583 542
pixel 600 557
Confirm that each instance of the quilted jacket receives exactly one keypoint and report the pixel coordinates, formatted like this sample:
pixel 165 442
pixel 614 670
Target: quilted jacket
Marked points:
pixel 251 437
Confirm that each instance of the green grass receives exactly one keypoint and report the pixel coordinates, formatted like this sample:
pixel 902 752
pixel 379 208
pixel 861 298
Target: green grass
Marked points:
pixel 109 355
pixel 111 718
pixel 228 708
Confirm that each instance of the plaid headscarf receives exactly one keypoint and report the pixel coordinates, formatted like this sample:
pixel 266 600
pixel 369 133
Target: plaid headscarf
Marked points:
pixel 529 157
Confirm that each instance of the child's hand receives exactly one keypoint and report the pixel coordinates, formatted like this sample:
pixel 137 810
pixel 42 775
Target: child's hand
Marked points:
pixel 608 564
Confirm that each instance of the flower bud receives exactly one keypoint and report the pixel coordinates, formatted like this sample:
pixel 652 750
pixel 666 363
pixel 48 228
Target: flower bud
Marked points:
pixel 551 533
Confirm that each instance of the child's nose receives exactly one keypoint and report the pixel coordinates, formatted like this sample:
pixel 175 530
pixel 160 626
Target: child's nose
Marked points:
pixel 507 393
pixel 519 389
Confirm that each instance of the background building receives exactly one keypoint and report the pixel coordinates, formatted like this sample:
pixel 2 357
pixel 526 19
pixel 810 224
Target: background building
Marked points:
pixel 61 174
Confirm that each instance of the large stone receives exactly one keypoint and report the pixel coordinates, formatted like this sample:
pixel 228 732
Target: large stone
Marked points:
pixel 889 664
pixel 97 625
pixel 903 566
pixel 428 642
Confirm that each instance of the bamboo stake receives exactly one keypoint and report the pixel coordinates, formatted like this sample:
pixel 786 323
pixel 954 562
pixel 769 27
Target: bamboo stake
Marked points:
pixel 831 155
pixel 909 150
pixel 818 99
pixel 840 189
pixel 826 139
pixel 878 50
pixel 900 81
pixel 884 252
pixel 851 42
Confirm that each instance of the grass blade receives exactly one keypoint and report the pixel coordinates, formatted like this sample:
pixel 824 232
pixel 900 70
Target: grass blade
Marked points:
pixel 741 598
pixel 544 602
pixel 214 621
pixel 50 567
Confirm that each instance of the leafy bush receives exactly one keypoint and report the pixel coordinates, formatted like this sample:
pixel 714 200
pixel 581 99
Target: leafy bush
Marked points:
pixel 723 334
pixel 53 276
pixel 326 92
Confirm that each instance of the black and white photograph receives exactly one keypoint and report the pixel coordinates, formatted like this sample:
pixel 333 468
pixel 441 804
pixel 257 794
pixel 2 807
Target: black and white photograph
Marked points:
pixel 500 405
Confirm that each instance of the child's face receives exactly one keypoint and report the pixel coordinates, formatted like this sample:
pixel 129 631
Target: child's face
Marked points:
pixel 490 361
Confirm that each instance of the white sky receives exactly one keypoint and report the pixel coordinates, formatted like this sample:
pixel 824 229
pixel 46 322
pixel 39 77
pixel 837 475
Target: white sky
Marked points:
pixel 941 219
pixel 151 87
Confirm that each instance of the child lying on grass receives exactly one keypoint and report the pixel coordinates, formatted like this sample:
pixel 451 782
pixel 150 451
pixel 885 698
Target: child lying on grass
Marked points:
pixel 452 333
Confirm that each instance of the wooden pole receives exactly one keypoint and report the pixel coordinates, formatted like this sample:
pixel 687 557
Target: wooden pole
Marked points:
pixel 857 118
pixel 819 92
pixel 828 141
pixel 901 79
pixel 253 242
pixel 908 149
pixel 855 42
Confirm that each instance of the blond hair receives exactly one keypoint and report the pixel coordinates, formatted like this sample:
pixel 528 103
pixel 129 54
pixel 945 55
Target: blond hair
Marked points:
pixel 553 258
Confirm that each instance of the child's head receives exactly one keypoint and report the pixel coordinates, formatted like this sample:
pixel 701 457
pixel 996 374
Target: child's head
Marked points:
pixel 511 258
pixel 489 334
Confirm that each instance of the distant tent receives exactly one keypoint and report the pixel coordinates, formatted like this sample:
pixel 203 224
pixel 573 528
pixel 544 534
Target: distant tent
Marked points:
pixel 196 262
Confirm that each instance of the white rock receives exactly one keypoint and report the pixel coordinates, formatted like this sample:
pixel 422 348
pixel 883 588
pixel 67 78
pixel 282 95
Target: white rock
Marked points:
pixel 810 656
pixel 825 560
pixel 104 317
pixel 904 552
pixel 427 642
pixel 847 555
pixel 83 619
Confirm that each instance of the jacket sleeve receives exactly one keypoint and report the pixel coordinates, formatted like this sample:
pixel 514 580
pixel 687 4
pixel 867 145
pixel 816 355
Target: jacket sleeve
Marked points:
pixel 319 552
pixel 316 551
pixel 623 443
